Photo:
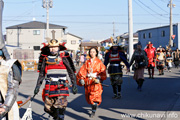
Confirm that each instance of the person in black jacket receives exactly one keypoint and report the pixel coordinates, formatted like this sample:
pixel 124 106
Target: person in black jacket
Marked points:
pixel 114 57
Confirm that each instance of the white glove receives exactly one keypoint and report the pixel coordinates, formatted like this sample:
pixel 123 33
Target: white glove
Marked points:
pixel 97 81
pixel 82 82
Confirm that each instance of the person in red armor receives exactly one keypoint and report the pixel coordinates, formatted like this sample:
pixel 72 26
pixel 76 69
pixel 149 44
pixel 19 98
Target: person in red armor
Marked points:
pixel 151 55
pixel 55 66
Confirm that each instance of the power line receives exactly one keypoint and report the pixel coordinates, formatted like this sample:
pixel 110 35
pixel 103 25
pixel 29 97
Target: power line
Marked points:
pixel 90 15
pixel 82 22
pixel 159 6
pixel 22 2
pixel 151 9
pixel 24 13
pixel 164 1
pixel 27 12
pixel 146 10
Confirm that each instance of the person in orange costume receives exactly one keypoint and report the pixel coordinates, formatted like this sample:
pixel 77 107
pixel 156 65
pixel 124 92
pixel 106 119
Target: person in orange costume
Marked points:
pixel 91 75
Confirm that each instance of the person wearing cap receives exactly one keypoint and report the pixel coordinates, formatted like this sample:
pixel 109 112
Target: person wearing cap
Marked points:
pixel 114 57
pixel 160 60
pixel 151 55
pixel 140 58
pixel 56 67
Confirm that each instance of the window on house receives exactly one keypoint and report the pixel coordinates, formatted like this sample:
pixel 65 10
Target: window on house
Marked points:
pixel 144 35
pixel 73 42
pixel 36 32
pixel 36 47
pixel 163 33
pixel 64 41
pixel 150 35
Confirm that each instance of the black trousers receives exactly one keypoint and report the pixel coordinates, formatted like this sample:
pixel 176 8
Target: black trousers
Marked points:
pixel 116 88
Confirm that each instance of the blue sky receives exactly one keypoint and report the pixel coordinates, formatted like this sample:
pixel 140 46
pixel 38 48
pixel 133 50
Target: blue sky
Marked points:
pixel 92 19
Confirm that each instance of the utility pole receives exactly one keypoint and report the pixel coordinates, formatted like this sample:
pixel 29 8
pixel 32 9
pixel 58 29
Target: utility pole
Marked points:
pixel 33 10
pixel 170 5
pixel 47 4
pixel 113 31
pixel 171 26
pixel 130 22
pixel 18 34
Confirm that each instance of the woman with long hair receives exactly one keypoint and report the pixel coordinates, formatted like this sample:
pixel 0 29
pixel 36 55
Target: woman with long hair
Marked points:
pixel 91 75
pixel 140 59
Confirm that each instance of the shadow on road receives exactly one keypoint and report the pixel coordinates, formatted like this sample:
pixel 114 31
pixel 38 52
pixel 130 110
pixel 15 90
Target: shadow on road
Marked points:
pixel 108 118
pixel 34 115
pixel 158 95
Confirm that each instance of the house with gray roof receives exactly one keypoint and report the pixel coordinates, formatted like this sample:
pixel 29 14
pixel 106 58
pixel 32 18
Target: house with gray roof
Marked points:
pixel 32 34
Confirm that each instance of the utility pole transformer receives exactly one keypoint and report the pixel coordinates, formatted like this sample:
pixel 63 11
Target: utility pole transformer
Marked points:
pixel 47 4
pixel 130 22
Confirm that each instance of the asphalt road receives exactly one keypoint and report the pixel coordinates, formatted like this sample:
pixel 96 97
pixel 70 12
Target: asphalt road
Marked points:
pixel 159 100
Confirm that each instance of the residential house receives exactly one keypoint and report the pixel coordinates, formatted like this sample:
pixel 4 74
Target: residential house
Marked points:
pixel 124 39
pixel 31 35
pixel 106 43
pixel 85 46
pixel 160 36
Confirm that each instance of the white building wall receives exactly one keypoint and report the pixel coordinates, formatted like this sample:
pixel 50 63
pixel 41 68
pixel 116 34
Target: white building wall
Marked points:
pixel 72 42
pixel 27 40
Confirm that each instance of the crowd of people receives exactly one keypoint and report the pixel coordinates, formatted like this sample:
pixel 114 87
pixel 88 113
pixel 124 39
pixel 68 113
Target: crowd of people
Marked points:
pixel 81 58
pixel 56 68
pixel 92 73
pixel 163 58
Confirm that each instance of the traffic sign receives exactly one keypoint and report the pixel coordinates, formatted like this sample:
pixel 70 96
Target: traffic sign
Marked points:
pixel 173 36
